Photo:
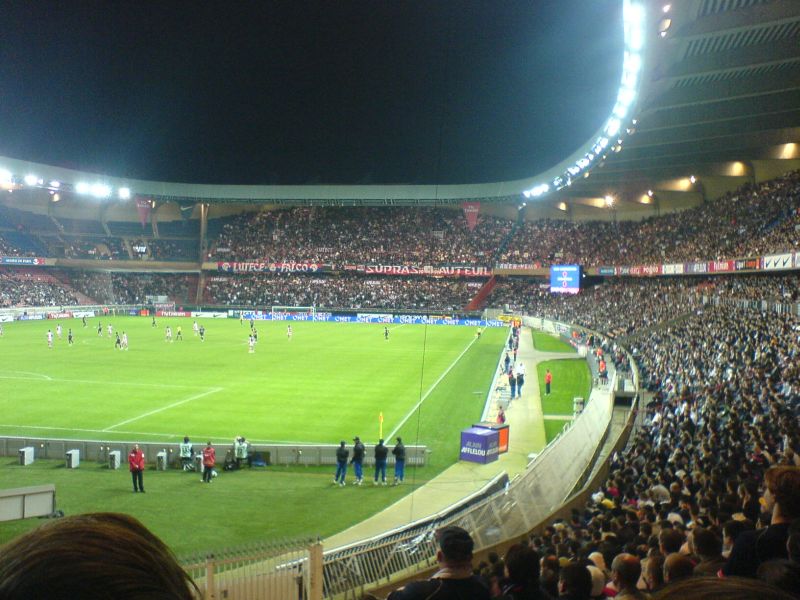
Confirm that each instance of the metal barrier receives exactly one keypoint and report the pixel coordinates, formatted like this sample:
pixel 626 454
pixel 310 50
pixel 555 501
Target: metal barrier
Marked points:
pixel 279 454
pixel 264 571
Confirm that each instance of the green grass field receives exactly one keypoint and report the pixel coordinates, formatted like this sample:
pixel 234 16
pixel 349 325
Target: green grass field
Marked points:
pixel 571 378
pixel 544 342
pixel 329 382
pixel 552 427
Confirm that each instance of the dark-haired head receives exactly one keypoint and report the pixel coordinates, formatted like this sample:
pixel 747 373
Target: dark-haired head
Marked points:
pixel 92 557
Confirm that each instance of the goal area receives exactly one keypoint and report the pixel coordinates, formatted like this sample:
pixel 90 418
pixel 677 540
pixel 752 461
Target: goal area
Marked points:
pixel 292 310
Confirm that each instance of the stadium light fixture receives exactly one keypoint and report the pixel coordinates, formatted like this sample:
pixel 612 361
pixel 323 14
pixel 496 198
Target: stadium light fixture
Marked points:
pixel 124 193
pixel 650 193
pixel 82 187
pixel 609 200
pixel 666 8
pixel 56 197
pixel 692 179
pixel 55 184
pixel 101 190
pixel 634 19
pixel 30 179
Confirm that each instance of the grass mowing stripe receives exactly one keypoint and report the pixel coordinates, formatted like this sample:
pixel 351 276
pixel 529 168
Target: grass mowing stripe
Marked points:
pixel 428 393
pixel 163 408
pixel 544 342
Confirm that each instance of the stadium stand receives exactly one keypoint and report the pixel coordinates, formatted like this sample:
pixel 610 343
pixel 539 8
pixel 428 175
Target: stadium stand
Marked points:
pixel 33 287
pixel 432 236
pixel 344 291
pixel 721 374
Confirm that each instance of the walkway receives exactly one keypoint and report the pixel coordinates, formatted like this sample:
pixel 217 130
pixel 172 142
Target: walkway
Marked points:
pixel 526 436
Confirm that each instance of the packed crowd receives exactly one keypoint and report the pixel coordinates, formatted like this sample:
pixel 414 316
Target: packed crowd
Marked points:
pixel 341 291
pixel 753 220
pixel 27 287
pixel 132 288
pixel 616 308
pixel 705 500
pixel 418 236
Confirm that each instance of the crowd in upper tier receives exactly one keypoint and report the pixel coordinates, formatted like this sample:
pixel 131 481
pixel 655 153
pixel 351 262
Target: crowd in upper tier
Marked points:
pixel 755 219
pixel 398 236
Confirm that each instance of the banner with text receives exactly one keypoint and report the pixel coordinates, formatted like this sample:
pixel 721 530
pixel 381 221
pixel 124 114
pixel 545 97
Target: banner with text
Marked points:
pixel 471 210
pixel 21 260
pixel 272 267
pixel 262 315
pixel 420 270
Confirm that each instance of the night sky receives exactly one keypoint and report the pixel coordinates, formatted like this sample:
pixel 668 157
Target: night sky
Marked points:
pixel 292 92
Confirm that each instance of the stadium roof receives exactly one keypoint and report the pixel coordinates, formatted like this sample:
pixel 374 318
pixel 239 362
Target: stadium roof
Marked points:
pixel 721 91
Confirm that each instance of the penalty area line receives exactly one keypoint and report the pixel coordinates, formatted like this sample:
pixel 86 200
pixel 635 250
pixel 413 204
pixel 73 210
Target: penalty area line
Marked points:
pixel 430 390
pixel 163 408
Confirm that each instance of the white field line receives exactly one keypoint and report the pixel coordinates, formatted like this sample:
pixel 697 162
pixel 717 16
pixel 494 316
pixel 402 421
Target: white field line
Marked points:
pixel 162 434
pixel 397 326
pixel 41 377
pixel 430 389
pixel 47 428
pixel 167 407
pixel 37 376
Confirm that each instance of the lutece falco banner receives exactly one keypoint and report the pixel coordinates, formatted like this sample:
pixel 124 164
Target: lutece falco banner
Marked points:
pixel 272 267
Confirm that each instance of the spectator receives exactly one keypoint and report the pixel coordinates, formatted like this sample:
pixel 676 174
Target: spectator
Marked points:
pixel 625 572
pixel 522 571
pixel 574 582
pixel 454 578
pixel 89 557
pixel 782 503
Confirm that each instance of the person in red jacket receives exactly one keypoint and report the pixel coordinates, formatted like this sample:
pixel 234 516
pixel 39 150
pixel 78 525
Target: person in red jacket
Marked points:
pixel 209 460
pixel 548 379
pixel 136 464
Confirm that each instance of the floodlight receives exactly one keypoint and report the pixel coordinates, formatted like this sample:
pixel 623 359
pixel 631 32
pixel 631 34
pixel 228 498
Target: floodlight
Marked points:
pixel 30 179
pixel 101 190
pixel 55 184
pixel 5 176
pixel 124 193
pixel 82 187
pixel 666 8
pixel 692 178
pixel 609 200
pixel 650 193
pixel 56 197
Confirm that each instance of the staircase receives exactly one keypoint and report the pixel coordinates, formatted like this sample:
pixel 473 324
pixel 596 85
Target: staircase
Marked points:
pixel 480 298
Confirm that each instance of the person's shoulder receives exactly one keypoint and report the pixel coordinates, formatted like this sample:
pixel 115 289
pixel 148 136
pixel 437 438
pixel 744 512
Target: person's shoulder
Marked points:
pixel 416 589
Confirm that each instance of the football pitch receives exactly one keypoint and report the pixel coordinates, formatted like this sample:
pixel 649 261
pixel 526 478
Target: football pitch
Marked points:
pixel 328 382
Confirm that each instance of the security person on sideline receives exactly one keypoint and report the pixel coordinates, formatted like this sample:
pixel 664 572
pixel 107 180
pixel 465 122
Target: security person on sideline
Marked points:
pixel 358 460
pixel 381 452
pixel 399 452
pixel 342 454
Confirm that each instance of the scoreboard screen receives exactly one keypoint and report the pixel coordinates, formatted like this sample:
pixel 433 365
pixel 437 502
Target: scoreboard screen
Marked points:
pixel 565 279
